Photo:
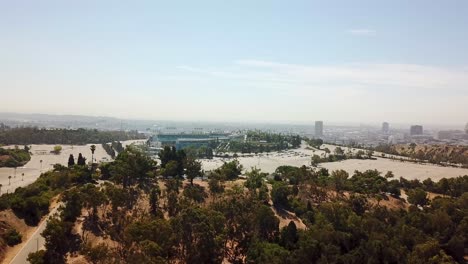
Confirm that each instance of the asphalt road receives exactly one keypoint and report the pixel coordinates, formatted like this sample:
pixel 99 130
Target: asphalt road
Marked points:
pixel 35 242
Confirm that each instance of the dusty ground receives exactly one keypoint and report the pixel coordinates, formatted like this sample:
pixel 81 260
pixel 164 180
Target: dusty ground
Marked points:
pixel 34 167
pixel 302 156
pixel 443 150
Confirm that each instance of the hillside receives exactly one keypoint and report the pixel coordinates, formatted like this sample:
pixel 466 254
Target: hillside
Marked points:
pixel 437 154
pixel 133 210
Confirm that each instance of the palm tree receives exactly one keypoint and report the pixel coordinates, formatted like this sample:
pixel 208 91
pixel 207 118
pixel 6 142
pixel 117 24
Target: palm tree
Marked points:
pixel 22 176
pixel 15 171
pixel 41 164
pixel 9 180
pixel 1 185
pixel 93 148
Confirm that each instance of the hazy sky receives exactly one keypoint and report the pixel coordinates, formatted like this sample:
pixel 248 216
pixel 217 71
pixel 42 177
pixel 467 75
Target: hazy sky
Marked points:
pixel 297 61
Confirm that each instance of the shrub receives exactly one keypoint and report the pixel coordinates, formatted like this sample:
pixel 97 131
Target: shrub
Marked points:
pixel 12 237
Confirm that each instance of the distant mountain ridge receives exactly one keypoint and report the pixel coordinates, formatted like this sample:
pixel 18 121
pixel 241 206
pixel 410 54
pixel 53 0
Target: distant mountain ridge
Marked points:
pixel 61 121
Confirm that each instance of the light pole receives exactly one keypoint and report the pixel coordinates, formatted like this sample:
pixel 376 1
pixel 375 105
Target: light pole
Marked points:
pixel 93 148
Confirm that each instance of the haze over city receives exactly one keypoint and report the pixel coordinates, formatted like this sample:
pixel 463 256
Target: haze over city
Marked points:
pixel 274 61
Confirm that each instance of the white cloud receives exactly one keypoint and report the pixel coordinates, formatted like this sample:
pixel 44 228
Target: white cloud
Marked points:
pixel 361 32
pixel 355 91
pixel 373 76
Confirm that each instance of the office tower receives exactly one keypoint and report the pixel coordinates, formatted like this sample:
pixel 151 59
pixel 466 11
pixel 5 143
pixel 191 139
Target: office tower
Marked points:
pixel 318 128
pixel 385 127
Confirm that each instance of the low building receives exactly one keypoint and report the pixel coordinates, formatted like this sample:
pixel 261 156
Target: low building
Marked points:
pixel 416 130
pixel 181 140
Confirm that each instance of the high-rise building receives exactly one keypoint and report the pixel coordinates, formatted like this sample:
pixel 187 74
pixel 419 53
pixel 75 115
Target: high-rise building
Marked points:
pixel 318 128
pixel 416 130
pixel 385 127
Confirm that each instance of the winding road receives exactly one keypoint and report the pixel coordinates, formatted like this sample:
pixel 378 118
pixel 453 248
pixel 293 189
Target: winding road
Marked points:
pixel 35 242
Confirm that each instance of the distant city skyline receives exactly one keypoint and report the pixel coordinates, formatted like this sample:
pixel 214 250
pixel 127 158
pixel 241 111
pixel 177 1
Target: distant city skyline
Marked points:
pixel 404 62
pixel 42 118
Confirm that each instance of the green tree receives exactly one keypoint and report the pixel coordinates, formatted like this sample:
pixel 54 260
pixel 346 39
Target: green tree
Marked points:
pixel 418 197
pixel 98 254
pixel 389 175
pixel 92 199
pixel 215 184
pixel 339 151
pixel 360 153
pixel 315 160
pixel 154 200
pixel 81 160
pixel 358 203
pixel 338 180
pixel 73 204
pixel 37 257
pixel 279 195
pixel 57 236
pixel 57 149
pixel 255 180
pixel 266 224
pixel 170 169
pixel 289 236
pixel 93 149
pixel 71 161
pixel 200 235
pixel 195 193
pixel 263 252
pixel 230 170
pixel 12 237
pixel 429 253
pixel 172 203
pixel 193 169
pixel 132 167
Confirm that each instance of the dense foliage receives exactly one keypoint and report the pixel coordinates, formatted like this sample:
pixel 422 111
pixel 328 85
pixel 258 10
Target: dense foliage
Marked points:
pixel 12 237
pixel 314 142
pixel 339 154
pixel 32 202
pixel 172 161
pixel 15 157
pixel 109 150
pixel 331 217
pixel 33 135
